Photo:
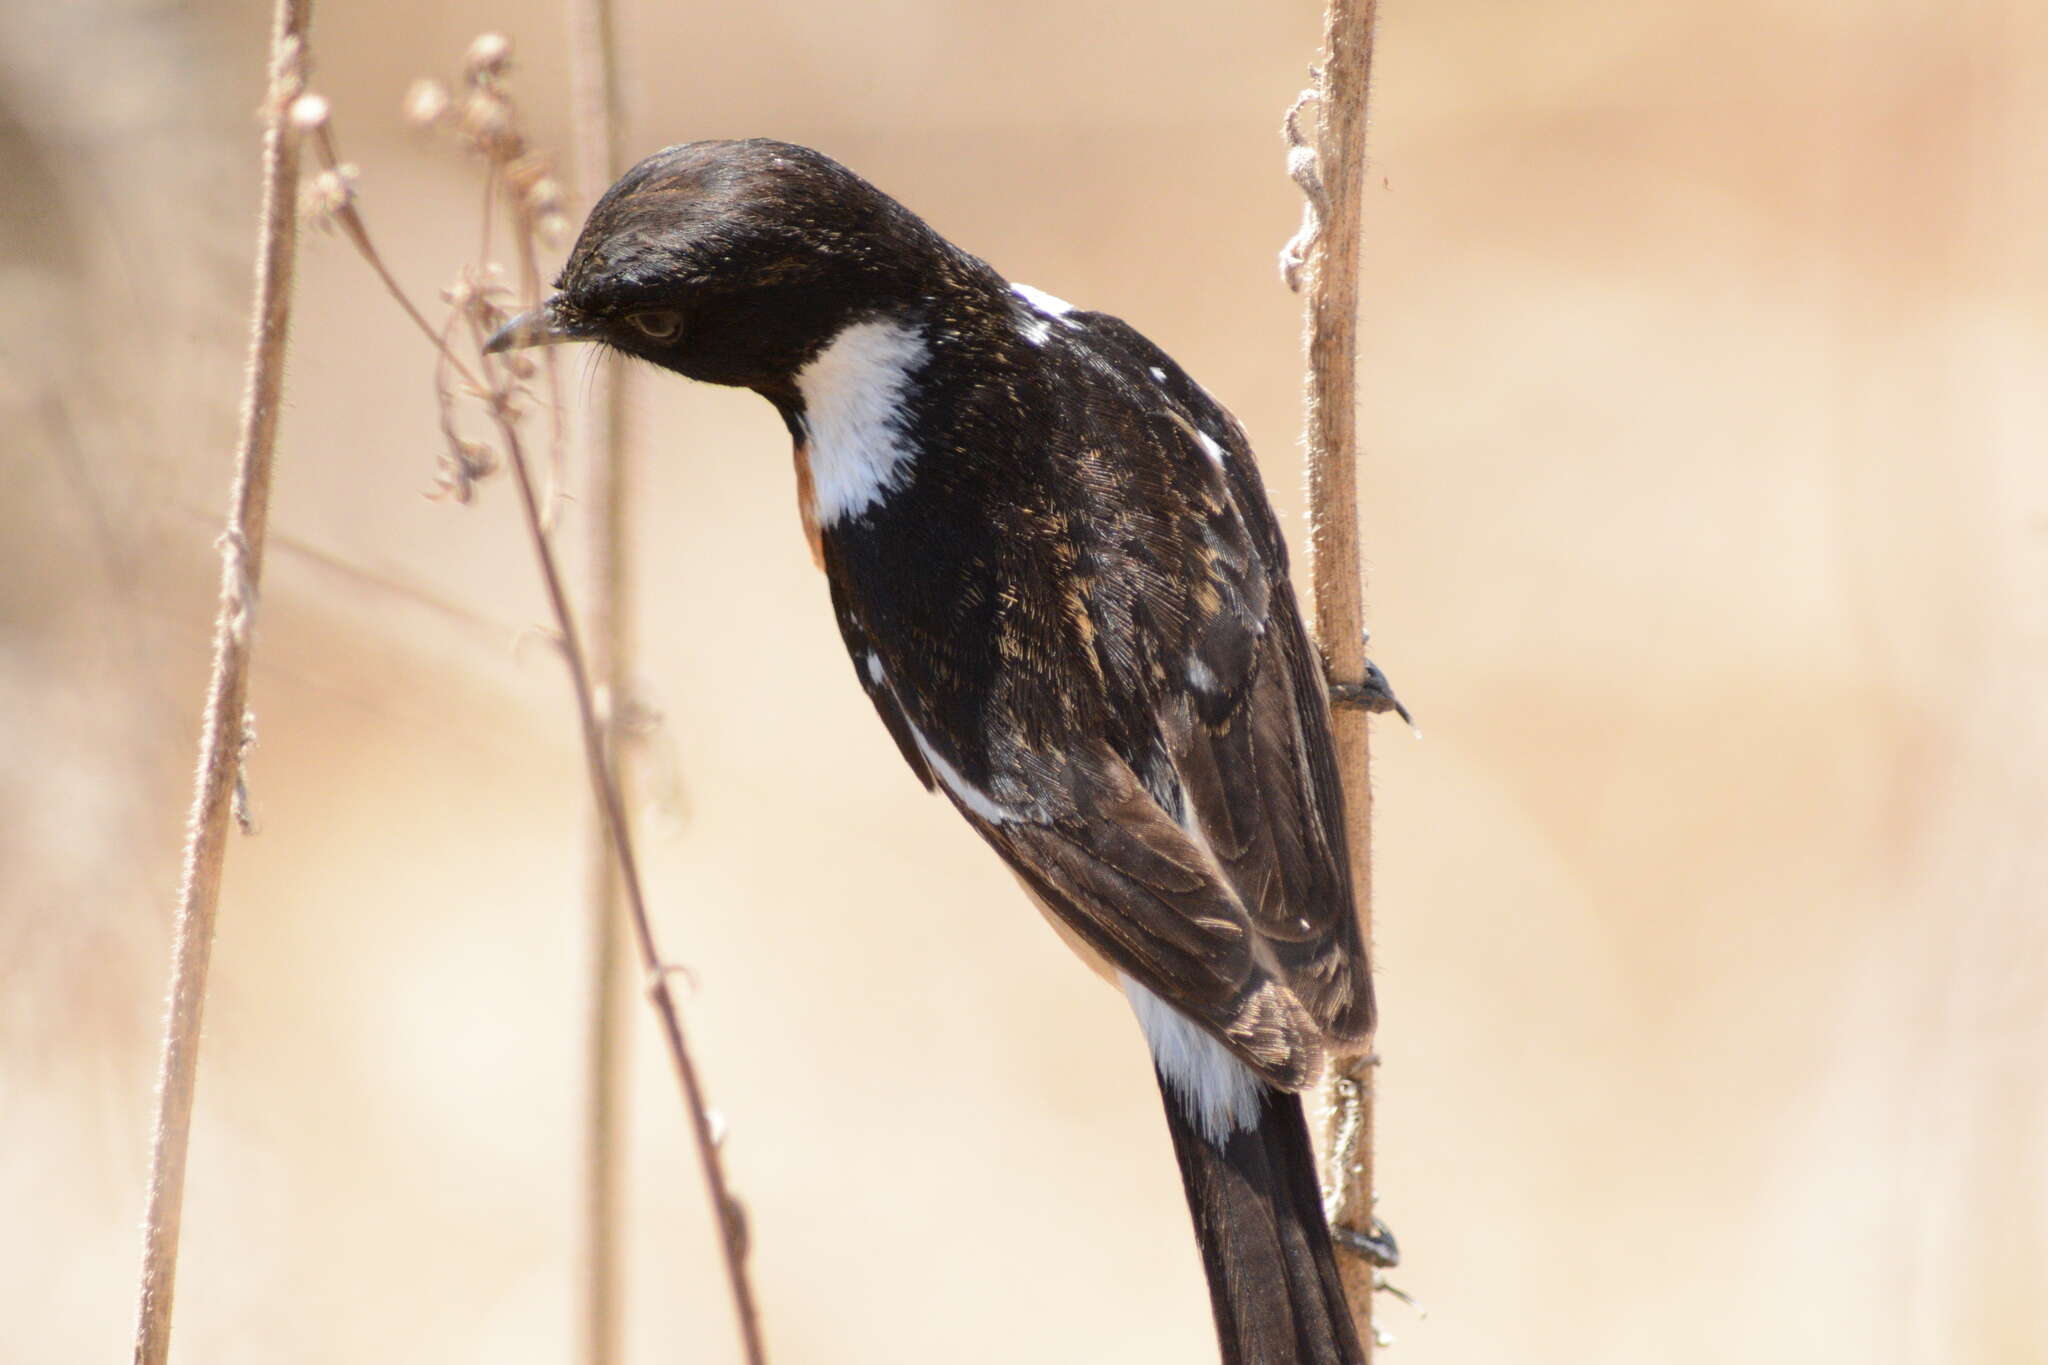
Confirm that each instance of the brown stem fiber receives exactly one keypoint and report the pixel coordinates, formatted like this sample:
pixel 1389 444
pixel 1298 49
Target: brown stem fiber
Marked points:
pixel 604 786
pixel 498 390
pixel 1331 170
pixel 608 609
pixel 221 738
pixel 597 722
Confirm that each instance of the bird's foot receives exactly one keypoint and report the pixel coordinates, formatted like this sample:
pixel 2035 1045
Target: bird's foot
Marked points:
pixel 1377 1245
pixel 1374 694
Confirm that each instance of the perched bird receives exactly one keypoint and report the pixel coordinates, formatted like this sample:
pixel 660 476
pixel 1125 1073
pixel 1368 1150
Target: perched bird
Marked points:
pixel 1063 589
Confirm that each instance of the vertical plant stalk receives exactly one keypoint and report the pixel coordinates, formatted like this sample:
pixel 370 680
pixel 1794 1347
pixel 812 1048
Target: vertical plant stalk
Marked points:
pixel 595 113
pixel 499 395
pixel 1331 170
pixel 604 784
pixel 221 738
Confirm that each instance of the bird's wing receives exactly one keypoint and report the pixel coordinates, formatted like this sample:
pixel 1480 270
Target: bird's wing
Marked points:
pixel 867 665
pixel 1243 712
pixel 1184 818
pixel 1128 880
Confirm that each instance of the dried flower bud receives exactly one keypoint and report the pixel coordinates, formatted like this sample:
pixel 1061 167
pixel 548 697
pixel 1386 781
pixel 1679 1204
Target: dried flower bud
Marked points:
pixel 489 314
pixel 531 184
pixel 544 196
pixel 487 124
pixel 327 195
pixel 489 56
pixel 426 104
pixel 309 113
pixel 461 464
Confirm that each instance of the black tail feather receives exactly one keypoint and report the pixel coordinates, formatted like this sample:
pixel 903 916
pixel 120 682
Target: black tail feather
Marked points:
pixel 1259 1218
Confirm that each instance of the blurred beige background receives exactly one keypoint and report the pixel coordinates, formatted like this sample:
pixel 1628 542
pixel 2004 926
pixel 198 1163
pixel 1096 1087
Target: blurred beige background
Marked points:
pixel 1708 520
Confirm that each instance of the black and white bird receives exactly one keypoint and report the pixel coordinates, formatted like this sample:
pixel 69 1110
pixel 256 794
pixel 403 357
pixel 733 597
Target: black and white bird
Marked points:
pixel 1063 589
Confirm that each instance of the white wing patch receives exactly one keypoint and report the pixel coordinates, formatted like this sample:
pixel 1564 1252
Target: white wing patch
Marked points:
pixel 969 795
pixel 1049 304
pixel 853 396
pixel 1038 329
pixel 1219 1093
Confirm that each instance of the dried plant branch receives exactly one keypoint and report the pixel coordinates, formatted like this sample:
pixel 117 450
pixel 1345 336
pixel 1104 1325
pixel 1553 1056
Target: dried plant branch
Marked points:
pixel 595 114
pixel 226 728
pixel 1330 170
pixel 485 121
pixel 604 783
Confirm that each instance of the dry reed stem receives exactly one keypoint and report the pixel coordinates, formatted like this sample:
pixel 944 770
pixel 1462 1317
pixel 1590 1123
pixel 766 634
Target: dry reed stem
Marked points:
pixel 499 391
pixel 1330 169
pixel 604 783
pixel 225 726
pixel 595 114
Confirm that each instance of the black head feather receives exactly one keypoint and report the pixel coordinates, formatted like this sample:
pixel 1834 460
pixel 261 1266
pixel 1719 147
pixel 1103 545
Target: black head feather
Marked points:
pixel 740 260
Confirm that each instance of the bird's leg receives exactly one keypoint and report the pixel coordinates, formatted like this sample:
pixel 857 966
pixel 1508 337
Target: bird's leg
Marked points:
pixel 1348 1095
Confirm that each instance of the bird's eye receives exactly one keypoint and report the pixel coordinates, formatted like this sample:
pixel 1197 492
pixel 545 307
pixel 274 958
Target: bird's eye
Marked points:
pixel 659 325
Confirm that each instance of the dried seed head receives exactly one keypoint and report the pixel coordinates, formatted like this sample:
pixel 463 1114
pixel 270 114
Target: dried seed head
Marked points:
pixel 544 197
pixel 328 195
pixel 426 104
pixel 309 113
pixel 531 183
pixel 461 464
pixel 489 56
pixel 489 314
pixel 477 290
pixel 487 126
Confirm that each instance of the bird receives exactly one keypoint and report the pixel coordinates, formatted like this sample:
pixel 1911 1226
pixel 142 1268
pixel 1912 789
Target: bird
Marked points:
pixel 1061 585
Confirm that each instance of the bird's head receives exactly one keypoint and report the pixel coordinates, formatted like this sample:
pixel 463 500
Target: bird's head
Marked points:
pixel 736 262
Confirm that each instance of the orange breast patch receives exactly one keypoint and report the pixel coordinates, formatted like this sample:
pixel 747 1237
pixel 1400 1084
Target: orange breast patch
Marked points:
pixel 807 505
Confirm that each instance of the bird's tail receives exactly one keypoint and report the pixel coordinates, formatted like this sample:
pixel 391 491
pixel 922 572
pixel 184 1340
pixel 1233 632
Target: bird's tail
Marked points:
pixel 1265 1245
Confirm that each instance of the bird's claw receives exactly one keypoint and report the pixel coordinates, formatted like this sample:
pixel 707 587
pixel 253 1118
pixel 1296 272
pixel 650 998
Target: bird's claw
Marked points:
pixel 1377 1246
pixel 1374 694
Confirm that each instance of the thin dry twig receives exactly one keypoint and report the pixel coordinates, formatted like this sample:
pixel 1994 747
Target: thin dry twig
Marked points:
pixel 732 1218
pixel 486 122
pixel 225 730
pixel 596 117
pixel 1329 166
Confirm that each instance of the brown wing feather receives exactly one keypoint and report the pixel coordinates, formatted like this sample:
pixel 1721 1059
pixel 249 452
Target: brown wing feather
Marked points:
pixel 1137 714
pixel 1130 882
pixel 1248 769
pixel 1247 735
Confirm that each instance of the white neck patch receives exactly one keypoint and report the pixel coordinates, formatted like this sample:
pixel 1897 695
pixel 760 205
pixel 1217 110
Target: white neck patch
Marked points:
pixel 853 396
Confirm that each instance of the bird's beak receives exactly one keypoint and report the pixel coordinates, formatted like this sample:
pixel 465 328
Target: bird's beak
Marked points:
pixel 548 324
